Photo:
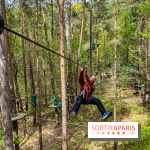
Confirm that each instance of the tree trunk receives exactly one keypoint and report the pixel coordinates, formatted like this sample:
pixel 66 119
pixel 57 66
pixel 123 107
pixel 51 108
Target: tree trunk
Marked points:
pixel 31 72
pixel 44 55
pixel 139 55
pixel 91 5
pixel 115 68
pixel 63 80
pixel 147 79
pixel 23 24
pixel 5 94
pixel 25 80
pixel 19 101
pixel 68 26
pixel 80 44
pixel 10 63
pixel 69 70
pixel 148 74
pixel 97 58
pixel 51 64
pixel 148 61
pixel 32 85
pixel 142 54
pixel 38 90
pixel 97 45
pixel 52 22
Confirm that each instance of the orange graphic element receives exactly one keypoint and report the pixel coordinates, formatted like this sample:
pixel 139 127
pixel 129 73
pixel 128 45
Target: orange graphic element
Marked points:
pixel 123 132
pixel 113 132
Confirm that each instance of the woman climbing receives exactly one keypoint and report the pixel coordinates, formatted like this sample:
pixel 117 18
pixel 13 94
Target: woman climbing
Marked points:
pixel 86 95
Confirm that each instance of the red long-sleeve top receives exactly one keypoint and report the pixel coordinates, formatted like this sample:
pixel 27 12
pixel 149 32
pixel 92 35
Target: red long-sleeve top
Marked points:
pixel 86 85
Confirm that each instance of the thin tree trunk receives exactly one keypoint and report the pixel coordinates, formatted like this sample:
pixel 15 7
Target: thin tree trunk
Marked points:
pixel 51 64
pixel 69 70
pixel 146 47
pixel 70 65
pixel 31 73
pixel 142 54
pixel 63 80
pixel 139 54
pixel 32 86
pixel 115 68
pixel 52 74
pixel 44 55
pixel 5 95
pixel 80 43
pixel 97 58
pixel 18 97
pixel 148 61
pixel 68 27
pixel 148 73
pixel 31 77
pixel 38 91
pixel 105 48
pixel 74 88
pixel 25 81
pixel 23 47
pixel 91 15
pixel 19 101
pixel 97 45
pixel 52 22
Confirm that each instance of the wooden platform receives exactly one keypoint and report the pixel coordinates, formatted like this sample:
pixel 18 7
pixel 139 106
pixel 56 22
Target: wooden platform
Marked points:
pixel 52 106
pixel 19 116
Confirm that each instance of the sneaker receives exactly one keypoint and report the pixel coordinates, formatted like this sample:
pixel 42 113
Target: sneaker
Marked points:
pixel 73 114
pixel 106 115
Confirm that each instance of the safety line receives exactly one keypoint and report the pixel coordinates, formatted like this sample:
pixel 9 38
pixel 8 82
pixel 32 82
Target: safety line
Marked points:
pixel 40 45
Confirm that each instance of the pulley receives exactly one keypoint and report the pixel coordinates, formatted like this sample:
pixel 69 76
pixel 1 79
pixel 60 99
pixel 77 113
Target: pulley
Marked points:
pixel 1 23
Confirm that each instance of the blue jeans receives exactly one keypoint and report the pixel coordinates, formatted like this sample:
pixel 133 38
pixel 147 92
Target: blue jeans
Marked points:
pixel 91 100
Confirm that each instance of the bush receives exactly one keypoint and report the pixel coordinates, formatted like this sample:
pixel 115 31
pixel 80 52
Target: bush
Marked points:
pixel 128 76
pixel 143 144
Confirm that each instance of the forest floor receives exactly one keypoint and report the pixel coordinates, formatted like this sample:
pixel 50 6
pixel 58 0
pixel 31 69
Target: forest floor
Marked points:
pixel 129 108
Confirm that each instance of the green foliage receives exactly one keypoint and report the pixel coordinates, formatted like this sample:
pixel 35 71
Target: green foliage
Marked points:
pixel 143 144
pixel 1 135
pixel 144 8
pixel 2 144
pixel 77 7
pixel 127 75
pixel 16 139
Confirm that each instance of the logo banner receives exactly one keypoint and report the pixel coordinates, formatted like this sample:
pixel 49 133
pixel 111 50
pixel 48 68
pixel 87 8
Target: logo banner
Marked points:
pixel 114 131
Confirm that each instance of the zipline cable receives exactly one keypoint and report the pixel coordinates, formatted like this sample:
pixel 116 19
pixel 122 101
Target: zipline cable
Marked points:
pixel 40 45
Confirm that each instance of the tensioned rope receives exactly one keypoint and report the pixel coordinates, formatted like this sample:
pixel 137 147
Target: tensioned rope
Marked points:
pixel 40 45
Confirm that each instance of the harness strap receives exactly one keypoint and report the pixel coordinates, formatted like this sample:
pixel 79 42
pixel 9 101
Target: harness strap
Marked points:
pixel 83 91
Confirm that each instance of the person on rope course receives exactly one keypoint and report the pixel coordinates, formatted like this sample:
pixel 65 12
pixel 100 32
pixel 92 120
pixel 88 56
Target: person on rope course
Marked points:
pixel 56 102
pixel 86 95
